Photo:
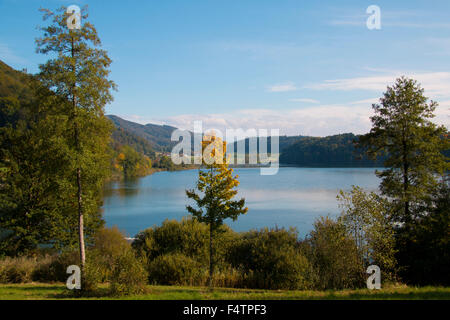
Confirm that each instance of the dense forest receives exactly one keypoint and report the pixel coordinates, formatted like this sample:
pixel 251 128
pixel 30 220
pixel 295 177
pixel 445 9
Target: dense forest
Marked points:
pixel 158 136
pixel 335 151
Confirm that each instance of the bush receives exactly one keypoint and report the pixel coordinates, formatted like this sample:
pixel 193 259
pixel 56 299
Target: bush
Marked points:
pixel 54 268
pixel 334 257
pixel 270 259
pixel 109 244
pixel 129 275
pixel 46 268
pixel 174 269
pixel 17 270
pixel 188 237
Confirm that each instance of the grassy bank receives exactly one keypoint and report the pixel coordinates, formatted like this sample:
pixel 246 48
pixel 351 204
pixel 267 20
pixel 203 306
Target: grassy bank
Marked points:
pixel 39 291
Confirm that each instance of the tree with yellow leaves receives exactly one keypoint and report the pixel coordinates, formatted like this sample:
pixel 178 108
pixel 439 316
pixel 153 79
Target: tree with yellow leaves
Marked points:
pixel 217 188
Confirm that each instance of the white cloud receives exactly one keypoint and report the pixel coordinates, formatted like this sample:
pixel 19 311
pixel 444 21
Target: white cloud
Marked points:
pixel 321 120
pixel 436 84
pixel 305 100
pixel 318 120
pixel 315 121
pixel 284 87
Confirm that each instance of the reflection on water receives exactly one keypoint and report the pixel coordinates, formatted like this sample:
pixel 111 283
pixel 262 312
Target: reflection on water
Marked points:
pixel 294 197
pixel 125 188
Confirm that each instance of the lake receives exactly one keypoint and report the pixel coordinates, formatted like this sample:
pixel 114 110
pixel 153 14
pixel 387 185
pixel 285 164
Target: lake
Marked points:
pixel 294 197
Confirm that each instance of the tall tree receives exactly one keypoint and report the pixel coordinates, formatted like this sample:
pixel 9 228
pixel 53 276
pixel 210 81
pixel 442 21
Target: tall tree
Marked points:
pixel 217 188
pixel 78 72
pixel 402 130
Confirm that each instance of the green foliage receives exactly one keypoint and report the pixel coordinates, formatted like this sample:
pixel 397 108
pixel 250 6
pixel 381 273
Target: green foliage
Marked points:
pixel 129 275
pixel 334 257
pixel 132 163
pixel 188 237
pixel 17 270
pixel 333 151
pixel 159 137
pixel 424 247
pixel 109 244
pixel 217 188
pixel 37 268
pixel 271 259
pixel 366 218
pixel 78 76
pixel 165 162
pixel 177 252
pixel 36 198
pixel 403 132
pixel 174 269
pixel 122 137
pixel 55 270
pixel 13 84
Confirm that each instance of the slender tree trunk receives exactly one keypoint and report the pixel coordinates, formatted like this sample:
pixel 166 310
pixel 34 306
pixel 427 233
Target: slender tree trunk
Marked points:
pixel 406 181
pixel 211 259
pixel 81 220
pixel 79 191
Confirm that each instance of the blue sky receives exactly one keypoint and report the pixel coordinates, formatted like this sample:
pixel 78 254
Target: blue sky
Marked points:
pixel 305 67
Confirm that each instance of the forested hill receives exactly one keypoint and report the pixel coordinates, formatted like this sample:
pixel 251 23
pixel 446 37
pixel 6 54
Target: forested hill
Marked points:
pixel 158 136
pixel 332 151
pixel 13 83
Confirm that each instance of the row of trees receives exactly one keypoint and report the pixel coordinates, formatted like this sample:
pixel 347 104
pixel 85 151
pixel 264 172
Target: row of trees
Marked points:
pixel 130 163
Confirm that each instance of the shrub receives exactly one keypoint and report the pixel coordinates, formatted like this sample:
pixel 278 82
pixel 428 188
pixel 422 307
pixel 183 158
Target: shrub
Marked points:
pixel 334 256
pixel 188 237
pixel 53 268
pixel 17 270
pixel 109 244
pixel 45 268
pixel 270 259
pixel 226 277
pixel 129 275
pixel 174 269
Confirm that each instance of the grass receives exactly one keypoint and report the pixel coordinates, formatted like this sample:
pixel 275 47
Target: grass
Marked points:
pixel 38 291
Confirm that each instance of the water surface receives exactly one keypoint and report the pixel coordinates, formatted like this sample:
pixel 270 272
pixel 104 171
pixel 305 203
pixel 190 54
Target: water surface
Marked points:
pixel 294 197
